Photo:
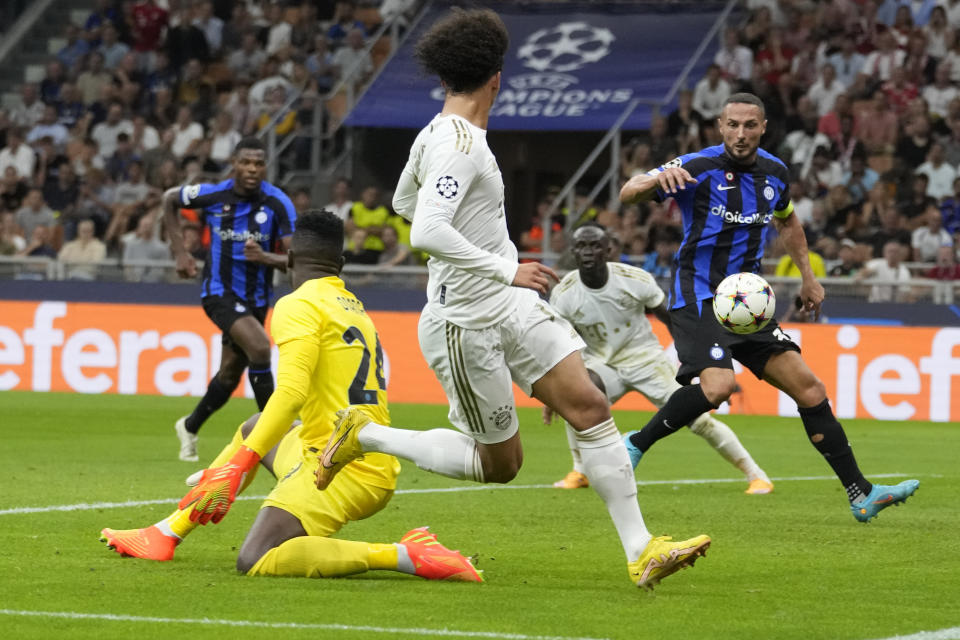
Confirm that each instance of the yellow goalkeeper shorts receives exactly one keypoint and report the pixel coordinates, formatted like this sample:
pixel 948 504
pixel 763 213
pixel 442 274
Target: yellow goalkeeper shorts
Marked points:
pixel 351 495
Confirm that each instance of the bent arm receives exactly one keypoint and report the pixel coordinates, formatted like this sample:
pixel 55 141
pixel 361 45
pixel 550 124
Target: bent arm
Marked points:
pixel 170 204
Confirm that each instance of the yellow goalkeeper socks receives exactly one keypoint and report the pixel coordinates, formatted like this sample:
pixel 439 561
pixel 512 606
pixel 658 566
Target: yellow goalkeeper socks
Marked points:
pixel 316 557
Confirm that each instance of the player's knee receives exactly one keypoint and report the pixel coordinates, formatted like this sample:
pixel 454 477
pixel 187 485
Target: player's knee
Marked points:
pixel 247 427
pixel 259 352
pixel 246 560
pixel 812 394
pixel 502 473
pixel 719 390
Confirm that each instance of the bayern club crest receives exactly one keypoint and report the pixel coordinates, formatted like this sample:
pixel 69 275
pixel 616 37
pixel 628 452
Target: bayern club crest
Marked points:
pixel 768 192
pixel 448 187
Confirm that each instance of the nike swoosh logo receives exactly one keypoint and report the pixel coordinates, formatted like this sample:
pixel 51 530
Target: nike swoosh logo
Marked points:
pixel 721 187
pixel 333 450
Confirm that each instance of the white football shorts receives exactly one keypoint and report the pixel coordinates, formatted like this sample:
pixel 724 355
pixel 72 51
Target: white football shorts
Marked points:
pixel 477 367
pixel 653 376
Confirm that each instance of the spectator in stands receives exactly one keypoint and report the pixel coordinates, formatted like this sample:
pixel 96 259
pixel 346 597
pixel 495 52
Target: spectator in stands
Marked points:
pixel 103 12
pixel 88 158
pixel 144 136
pixel 285 121
pixel 941 93
pixel 160 74
pixel 824 92
pixel 900 91
pixel 917 11
pixel 192 240
pixel 940 174
pixel 663 146
pixel 280 32
pixel 110 47
pixel 34 213
pixel 824 172
pixel 659 262
pixel 342 202
pixel 919 68
pixel 876 126
pixel 13 190
pixel 223 138
pixel 28 111
pixel 49 159
pixel 211 26
pixel 788 269
pixel 118 164
pixel 245 61
pixel 352 59
pixel 237 103
pixel 185 41
pixel 270 77
pixel 891 230
pixel 144 245
pixel 394 252
pixel 18 155
pixel 105 133
pixel 684 123
pixel 889 268
pixel 320 64
pixel 928 239
pixel 734 59
pixel 914 145
pixel 847 254
pixel 344 19
pixel 635 158
pixel 356 251
pixel 52 84
pixel 370 216
pixel 49 127
pixel 847 63
pixel 40 244
pixel 879 64
pixel 194 88
pixel 94 79
pixel 800 144
pixel 163 113
pixel 952 7
pixel 82 254
pixel 62 190
pixel 710 93
pixel 96 199
pixel 939 34
pixel 76 48
pixel 860 179
pixel 914 201
pixel 301 200
pixel 305 26
pixel 11 241
pixel 70 109
pixel 950 210
pixel 946 267
pixel 187 133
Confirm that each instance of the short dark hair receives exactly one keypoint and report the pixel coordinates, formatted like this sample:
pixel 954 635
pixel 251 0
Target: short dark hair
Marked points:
pixel 745 98
pixel 319 235
pixel 465 48
pixel 250 142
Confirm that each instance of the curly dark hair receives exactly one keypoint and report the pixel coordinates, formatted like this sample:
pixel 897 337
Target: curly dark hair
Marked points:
pixel 318 234
pixel 465 48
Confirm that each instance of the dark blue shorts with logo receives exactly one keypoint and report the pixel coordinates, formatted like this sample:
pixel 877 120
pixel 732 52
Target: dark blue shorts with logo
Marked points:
pixel 702 342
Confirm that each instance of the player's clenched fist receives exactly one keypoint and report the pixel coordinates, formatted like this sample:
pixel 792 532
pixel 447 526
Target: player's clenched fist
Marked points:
pixel 533 275
pixel 218 487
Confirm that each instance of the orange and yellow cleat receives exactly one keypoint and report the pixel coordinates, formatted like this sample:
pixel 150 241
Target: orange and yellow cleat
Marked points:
pixel 759 486
pixel 433 561
pixel 148 543
pixel 663 557
pixel 573 480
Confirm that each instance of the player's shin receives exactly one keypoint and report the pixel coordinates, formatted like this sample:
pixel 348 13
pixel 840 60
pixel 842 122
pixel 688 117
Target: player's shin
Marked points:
pixel 318 557
pixel 442 451
pixel 574 447
pixel 725 442
pixel 827 435
pixel 681 409
pixel 607 466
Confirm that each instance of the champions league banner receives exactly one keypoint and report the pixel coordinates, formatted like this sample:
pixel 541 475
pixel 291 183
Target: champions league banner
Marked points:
pixel 570 66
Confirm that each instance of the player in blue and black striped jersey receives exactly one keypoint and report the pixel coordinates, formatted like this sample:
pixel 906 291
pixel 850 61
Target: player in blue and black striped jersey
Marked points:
pixel 728 194
pixel 248 219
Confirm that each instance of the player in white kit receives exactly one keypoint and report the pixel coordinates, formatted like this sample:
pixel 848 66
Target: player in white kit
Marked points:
pixel 484 326
pixel 607 303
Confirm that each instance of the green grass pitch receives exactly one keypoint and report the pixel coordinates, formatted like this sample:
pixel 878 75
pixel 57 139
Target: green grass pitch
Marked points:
pixel 793 564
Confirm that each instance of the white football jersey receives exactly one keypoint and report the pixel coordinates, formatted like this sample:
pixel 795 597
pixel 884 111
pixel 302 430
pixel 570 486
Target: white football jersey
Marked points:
pixel 451 190
pixel 612 319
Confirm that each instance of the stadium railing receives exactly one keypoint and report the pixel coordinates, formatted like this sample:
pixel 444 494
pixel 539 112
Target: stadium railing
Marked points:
pixel 415 277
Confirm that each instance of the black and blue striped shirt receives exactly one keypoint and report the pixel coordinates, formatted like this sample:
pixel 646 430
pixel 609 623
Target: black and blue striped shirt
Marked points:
pixel 266 217
pixel 725 218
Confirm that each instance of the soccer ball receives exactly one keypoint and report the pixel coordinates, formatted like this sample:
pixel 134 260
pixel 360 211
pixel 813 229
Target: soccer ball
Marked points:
pixel 744 303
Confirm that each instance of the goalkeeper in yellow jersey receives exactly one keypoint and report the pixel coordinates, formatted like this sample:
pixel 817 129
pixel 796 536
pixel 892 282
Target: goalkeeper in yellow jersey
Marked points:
pixel 330 356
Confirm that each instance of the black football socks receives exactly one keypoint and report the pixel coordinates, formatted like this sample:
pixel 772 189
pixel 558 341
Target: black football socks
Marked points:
pixel 828 437
pixel 216 396
pixel 261 379
pixel 681 409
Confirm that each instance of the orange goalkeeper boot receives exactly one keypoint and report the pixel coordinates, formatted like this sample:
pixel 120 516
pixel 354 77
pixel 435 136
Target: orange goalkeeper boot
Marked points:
pixel 433 561
pixel 148 543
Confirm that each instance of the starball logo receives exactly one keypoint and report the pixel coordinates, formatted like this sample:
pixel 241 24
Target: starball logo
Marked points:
pixel 740 218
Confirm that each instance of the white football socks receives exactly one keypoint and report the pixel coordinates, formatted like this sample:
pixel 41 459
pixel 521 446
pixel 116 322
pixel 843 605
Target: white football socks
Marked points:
pixel 607 465
pixel 574 448
pixel 725 442
pixel 443 451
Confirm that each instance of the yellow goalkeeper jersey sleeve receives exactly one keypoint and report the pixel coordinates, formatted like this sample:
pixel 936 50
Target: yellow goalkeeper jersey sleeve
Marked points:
pixel 330 357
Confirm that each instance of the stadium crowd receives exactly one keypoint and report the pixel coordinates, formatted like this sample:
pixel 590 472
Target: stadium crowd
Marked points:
pixel 862 99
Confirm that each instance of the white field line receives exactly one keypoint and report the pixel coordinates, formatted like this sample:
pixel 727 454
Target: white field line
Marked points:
pixel 450 633
pixel 953 633
pixel 90 506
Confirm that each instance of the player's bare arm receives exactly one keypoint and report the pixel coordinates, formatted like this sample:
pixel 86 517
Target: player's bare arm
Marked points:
pixel 253 252
pixel 186 265
pixel 795 242
pixel 661 313
pixel 643 187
